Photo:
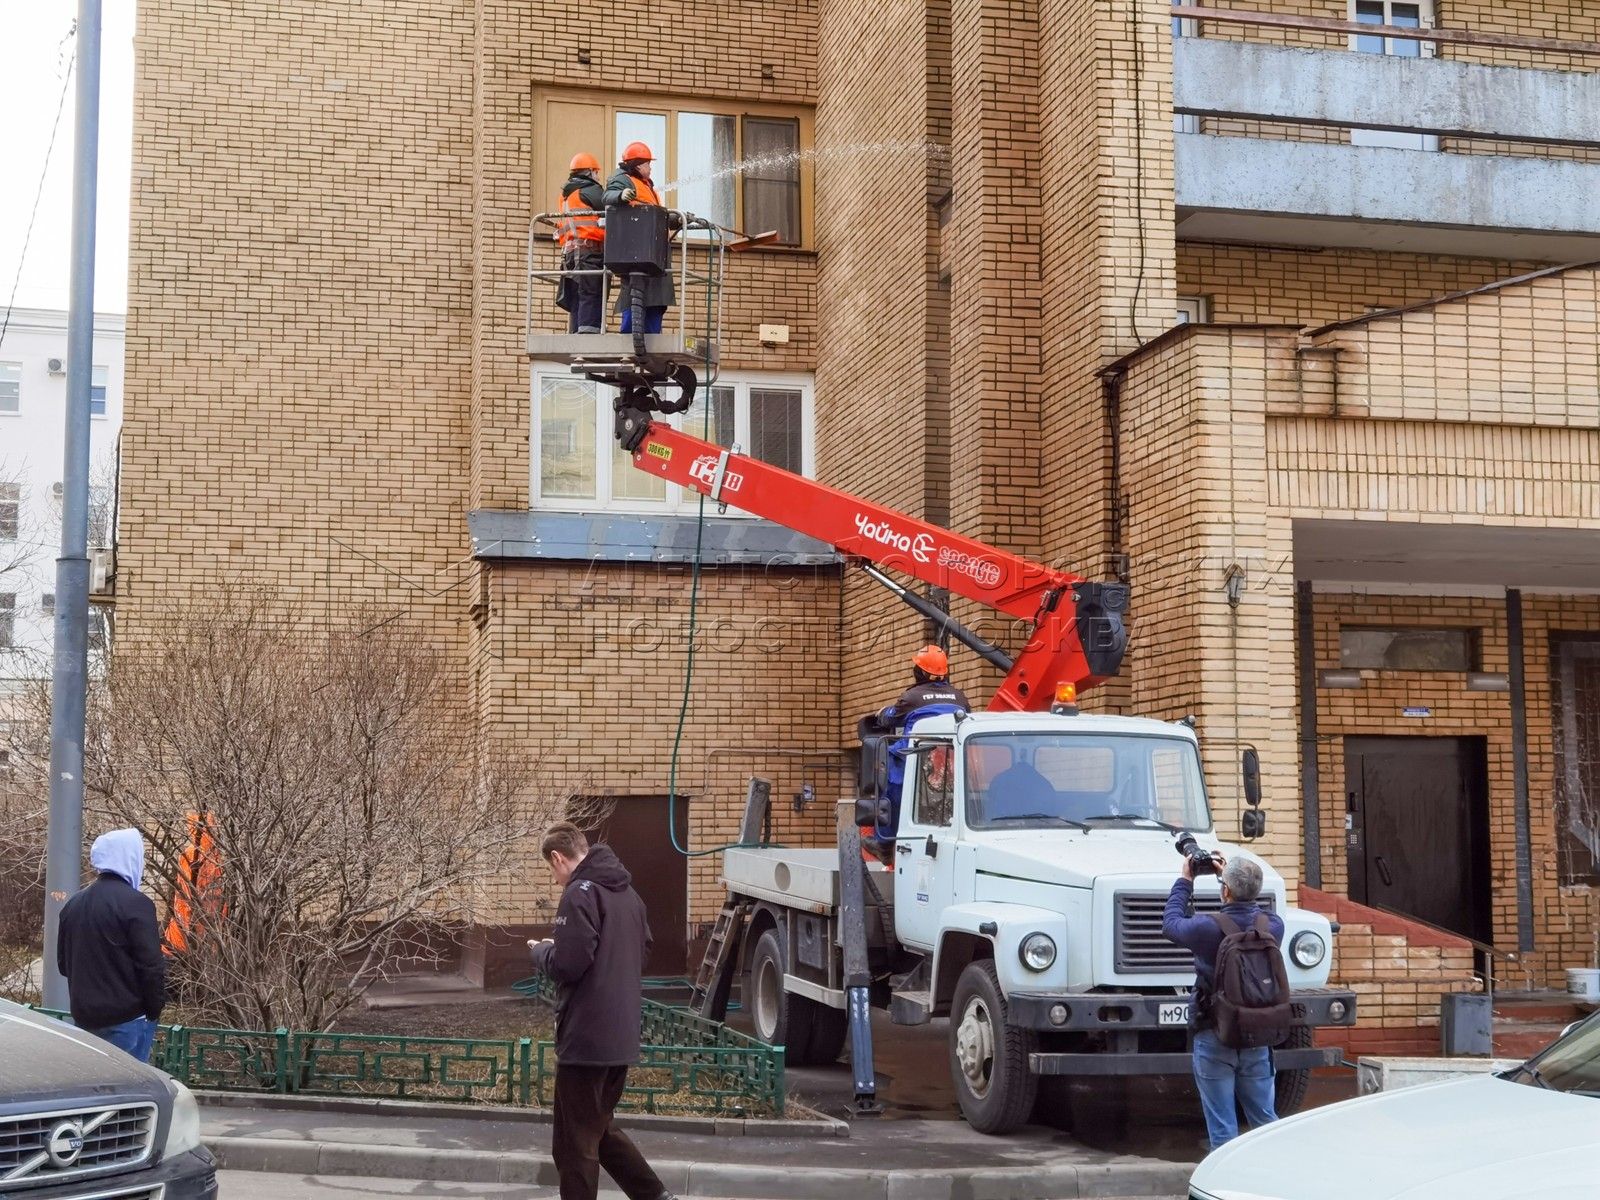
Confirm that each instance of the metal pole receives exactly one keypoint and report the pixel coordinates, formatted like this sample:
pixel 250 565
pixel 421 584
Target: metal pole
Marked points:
pixel 63 864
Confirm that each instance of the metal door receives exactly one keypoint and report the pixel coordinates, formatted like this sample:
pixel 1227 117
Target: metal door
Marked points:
pixel 636 831
pixel 1418 828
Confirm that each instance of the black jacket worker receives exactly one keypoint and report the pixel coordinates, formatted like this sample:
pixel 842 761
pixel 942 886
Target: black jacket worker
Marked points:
pixel 596 960
pixel 109 949
pixel 630 184
pixel 930 668
pixel 583 239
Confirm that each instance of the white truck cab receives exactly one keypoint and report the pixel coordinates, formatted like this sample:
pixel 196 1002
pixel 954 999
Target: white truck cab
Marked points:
pixel 1033 854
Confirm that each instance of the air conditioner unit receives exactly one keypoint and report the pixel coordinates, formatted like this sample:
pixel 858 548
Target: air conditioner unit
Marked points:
pixel 57 366
pixel 102 571
pixel 56 491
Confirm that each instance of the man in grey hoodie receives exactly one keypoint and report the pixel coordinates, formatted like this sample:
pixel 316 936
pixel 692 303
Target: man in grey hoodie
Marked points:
pixel 109 948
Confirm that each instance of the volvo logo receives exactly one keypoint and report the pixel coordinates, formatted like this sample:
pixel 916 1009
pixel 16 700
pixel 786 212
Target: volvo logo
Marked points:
pixel 65 1144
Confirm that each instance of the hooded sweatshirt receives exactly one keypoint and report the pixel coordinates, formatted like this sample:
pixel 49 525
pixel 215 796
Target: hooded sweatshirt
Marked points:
pixel 597 962
pixel 109 947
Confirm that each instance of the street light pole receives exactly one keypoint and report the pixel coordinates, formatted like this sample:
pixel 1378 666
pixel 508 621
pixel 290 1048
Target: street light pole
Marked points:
pixel 64 855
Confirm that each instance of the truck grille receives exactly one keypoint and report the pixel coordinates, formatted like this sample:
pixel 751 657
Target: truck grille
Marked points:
pixel 37 1149
pixel 1141 947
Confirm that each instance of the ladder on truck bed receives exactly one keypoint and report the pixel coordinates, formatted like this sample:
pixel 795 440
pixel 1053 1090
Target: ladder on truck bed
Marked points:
pixel 714 980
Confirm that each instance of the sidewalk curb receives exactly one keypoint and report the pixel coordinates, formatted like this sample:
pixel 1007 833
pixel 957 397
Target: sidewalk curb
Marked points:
pixel 1144 1177
pixel 818 1127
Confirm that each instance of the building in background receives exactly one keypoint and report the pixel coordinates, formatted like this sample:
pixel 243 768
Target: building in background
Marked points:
pixel 1256 315
pixel 33 397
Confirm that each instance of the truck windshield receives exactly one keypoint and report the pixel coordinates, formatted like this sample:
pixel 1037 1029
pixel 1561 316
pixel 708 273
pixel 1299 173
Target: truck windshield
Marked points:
pixel 1037 780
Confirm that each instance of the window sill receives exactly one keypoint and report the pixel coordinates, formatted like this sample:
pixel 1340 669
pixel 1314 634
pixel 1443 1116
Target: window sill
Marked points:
pixel 660 538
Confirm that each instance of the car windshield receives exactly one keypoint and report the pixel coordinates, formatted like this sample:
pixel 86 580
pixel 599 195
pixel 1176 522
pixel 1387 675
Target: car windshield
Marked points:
pixel 1038 780
pixel 1570 1064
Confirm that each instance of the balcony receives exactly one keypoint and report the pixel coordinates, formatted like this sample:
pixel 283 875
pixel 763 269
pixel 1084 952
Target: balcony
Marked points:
pixel 1488 161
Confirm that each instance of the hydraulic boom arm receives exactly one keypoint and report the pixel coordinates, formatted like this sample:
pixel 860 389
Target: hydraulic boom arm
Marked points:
pixel 1077 625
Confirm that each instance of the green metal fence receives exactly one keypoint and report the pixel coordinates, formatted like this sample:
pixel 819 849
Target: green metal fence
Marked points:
pixel 688 1064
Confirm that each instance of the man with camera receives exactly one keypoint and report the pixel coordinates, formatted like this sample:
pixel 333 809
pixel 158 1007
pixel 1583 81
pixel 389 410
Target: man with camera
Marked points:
pixel 1224 1074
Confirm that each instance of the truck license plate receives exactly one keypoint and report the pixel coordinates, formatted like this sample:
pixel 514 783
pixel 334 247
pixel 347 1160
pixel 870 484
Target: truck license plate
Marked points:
pixel 1173 1014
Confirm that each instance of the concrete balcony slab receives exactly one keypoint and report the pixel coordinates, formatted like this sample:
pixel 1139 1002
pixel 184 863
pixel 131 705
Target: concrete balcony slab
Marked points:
pixel 1308 194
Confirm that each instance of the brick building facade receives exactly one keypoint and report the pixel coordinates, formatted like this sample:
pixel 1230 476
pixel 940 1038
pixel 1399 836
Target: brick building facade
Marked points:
pixel 993 216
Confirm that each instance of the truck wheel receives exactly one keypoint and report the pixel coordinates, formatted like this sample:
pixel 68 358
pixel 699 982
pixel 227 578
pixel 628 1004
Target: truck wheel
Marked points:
pixel 829 1029
pixel 781 1018
pixel 1290 1088
pixel 988 1056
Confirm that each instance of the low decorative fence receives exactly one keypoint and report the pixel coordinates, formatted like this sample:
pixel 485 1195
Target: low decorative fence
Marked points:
pixel 688 1064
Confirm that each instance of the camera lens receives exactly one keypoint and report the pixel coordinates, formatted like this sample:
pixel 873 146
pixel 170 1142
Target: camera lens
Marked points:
pixel 1186 844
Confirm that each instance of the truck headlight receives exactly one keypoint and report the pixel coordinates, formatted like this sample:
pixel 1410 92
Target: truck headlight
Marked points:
pixel 183 1131
pixel 1307 949
pixel 1037 952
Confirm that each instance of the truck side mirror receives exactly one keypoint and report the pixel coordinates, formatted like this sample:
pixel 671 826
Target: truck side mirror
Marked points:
pixel 1253 823
pixel 1252 779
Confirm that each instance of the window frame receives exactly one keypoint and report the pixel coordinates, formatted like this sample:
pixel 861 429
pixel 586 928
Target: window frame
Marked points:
pixel 1192 310
pixel 17 411
pixel 11 495
pixel 545 191
pixel 678 500
pixel 8 620
pixel 1471 637
pixel 104 387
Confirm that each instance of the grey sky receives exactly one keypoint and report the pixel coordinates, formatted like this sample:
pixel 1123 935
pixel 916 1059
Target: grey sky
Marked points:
pixel 32 32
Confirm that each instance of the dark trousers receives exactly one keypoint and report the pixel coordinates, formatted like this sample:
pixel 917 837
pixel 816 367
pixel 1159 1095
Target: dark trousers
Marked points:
pixel 586 289
pixel 583 1139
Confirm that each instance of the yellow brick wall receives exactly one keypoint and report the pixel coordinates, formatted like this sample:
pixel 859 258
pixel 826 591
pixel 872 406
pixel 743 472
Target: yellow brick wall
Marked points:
pixel 587 670
pixel 1272 286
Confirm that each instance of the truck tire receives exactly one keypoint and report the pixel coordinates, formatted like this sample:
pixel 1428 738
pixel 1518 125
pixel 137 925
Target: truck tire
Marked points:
pixel 1290 1087
pixel 829 1029
pixel 989 1056
pixel 781 1018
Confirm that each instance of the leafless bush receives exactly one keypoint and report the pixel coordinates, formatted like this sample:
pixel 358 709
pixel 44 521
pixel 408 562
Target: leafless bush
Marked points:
pixel 352 817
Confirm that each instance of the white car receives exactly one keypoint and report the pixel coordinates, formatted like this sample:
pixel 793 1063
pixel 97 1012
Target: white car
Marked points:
pixel 1533 1131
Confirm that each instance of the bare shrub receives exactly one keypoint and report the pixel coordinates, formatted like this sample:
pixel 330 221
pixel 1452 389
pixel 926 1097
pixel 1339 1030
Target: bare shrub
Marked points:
pixel 352 816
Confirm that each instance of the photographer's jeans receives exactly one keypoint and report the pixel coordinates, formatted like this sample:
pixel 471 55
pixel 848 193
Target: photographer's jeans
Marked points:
pixel 1225 1076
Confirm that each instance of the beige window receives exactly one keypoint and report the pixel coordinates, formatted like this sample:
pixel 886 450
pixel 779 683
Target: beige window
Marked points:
pixel 744 166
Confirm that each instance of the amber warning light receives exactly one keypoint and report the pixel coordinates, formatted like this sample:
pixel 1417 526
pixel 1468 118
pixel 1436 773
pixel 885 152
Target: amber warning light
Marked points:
pixel 1066 699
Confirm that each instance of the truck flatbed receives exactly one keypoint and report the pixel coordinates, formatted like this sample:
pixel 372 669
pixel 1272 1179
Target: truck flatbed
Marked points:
pixel 803 879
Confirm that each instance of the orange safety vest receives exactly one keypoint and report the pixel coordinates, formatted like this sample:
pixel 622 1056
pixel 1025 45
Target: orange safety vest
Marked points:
pixel 583 228
pixel 645 191
pixel 199 884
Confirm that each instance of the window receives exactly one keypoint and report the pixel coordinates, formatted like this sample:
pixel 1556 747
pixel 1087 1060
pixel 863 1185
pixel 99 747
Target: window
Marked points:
pixel 742 165
pixel 934 803
pixel 97 391
pixel 8 619
pixel 10 387
pixel 1408 649
pixel 1575 716
pixel 578 465
pixel 1181 28
pixel 1193 310
pixel 1401 15
pixel 47 602
pixel 10 511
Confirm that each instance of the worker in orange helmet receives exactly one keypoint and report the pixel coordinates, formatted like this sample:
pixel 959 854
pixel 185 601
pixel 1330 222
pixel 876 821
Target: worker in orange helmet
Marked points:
pixel 582 235
pixel 630 184
pixel 932 688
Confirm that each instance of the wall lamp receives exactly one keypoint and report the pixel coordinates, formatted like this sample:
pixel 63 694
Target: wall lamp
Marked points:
pixel 1488 681
pixel 1233 584
pixel 1339 679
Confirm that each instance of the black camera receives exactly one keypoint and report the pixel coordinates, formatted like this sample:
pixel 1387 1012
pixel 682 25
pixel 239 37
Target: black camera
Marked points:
pixel 1200 861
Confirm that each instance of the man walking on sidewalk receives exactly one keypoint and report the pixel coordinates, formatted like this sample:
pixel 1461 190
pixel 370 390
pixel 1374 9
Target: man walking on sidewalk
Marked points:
pixel 597 962
pixel 110 950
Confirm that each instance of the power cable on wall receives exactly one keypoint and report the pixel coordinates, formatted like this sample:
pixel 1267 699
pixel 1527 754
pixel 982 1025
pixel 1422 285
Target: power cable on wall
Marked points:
pixel 1138 164
pixel 44 174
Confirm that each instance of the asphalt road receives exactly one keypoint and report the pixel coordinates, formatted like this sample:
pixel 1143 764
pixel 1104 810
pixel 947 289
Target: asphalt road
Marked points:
pixel 252 1185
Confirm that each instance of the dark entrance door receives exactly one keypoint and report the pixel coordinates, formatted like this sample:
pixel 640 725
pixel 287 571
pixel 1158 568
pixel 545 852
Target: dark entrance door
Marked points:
pixel 1419 828
pixel 637 831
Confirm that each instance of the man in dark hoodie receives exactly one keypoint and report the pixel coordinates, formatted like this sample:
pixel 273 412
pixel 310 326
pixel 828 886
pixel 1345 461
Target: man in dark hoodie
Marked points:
pixel 597 962
pixel 109 949
pixel 583 238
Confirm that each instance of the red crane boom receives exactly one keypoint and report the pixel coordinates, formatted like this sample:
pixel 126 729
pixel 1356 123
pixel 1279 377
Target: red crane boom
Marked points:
pixel 1077 633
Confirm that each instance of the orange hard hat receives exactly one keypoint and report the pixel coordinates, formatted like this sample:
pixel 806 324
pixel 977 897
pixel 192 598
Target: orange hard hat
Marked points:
pixel 933 660
pixel 637 150
pixel 584 162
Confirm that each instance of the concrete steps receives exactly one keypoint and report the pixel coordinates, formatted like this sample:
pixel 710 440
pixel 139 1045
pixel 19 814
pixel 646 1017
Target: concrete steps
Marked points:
pixel 1526 1022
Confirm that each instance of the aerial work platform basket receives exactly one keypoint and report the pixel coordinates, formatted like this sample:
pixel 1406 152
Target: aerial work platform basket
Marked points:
pixel 642 242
